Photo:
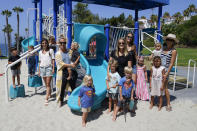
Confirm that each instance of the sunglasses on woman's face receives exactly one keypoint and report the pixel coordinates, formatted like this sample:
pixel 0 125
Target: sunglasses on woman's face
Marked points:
pixel 121 43
pixel 62 43
pixel 130 37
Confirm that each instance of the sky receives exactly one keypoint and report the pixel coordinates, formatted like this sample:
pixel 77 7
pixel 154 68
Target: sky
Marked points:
pixel 102 11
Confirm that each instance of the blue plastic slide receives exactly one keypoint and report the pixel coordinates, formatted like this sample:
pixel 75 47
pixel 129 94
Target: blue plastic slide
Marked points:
pixel 29 41
pixel 96 67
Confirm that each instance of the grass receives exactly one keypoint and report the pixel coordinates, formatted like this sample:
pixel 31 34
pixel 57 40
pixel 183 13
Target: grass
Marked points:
pixel 184 54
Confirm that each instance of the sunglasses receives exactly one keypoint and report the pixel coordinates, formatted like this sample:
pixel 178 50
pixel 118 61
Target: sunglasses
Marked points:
pixel 121 43
pixel 129 37
pixel 62 43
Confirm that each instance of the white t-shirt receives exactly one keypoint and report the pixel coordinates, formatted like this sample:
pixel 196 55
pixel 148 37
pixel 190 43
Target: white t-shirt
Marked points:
pixel 157 52
pixel 114 79
pixel 46 59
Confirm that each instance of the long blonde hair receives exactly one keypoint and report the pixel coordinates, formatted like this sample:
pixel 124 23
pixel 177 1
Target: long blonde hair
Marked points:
pixel 86 79
pixel 117 48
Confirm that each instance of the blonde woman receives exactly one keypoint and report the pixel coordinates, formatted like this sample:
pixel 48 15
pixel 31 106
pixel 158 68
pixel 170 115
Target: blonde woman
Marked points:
pixel 122 56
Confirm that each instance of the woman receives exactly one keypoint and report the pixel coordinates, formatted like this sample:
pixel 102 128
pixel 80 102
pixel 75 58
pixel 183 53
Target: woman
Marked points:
pixel 131 48
pixel 63 62
pixel 46 66
pixel 168 57
pixel 122 56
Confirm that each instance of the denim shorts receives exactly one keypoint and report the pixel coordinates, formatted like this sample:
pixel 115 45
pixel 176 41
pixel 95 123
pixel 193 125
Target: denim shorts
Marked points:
pixel 46 71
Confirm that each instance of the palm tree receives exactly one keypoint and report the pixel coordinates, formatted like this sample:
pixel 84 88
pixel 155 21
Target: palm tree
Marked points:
pixel 17 10
pixel 4 31
pixel 8 29
pixel 191 9
pixel 7 13
pixel 153 19
pixel 186 13
pixel 166 15
pixel 143 17
pixel 178 18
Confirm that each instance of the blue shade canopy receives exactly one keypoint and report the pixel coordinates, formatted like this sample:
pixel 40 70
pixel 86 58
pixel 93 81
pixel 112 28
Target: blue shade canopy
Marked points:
pixel 126 4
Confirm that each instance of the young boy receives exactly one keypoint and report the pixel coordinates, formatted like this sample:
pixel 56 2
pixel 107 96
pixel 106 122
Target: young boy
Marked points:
pixel 15 69
pixel 31 62
pixel 125 90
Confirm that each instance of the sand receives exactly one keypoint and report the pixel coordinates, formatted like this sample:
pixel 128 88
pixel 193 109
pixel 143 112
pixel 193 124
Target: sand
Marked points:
pixel 30 114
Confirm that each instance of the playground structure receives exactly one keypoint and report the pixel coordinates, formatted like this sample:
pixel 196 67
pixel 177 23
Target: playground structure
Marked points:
pixel 85 34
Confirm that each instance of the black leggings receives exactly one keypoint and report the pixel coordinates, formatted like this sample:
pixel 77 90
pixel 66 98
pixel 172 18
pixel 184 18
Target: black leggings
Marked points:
pixel 72 82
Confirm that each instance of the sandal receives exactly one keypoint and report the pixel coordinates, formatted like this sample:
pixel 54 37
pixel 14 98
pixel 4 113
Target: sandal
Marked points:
pixel 46 103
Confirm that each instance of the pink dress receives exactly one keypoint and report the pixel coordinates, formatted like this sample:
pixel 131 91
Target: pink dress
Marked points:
pixel 141 88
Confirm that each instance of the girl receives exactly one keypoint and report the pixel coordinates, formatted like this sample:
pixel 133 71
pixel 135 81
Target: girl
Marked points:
pixel 126 90
pixel 141 89
pixel 131 48
pixel 112 84
pixel 168 57
pixel 75 57
pixel 86 97
pixel 157 51
pixel 46 66
pixel 156 82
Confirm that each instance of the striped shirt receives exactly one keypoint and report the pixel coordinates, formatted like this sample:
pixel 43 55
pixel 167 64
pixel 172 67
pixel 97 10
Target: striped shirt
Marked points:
pixel 166 58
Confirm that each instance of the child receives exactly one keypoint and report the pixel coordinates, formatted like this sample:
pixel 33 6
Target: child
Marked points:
pixel 156 82
pixel 15 68
pixel 126 85
pixel 112 84
pixel 86 97
pixel 31 61
pixel 75 57
pixel 142 79
pixel 157 51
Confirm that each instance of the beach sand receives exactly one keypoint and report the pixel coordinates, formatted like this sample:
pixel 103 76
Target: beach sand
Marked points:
pixel 30 114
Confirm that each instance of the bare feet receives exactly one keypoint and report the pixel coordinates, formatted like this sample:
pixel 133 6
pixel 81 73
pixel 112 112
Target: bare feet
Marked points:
pixel 159 108
pixel 83 124
pixel 114 118
pixel 108 111
pixel 46 103
pixel 151 106
pixel 168 108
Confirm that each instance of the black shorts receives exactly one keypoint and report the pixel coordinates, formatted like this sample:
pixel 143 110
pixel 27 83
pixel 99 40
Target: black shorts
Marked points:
pixel 114 96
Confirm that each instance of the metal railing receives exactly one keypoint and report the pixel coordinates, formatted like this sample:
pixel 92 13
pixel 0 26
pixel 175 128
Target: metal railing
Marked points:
pixel 12 64
pixel 188 72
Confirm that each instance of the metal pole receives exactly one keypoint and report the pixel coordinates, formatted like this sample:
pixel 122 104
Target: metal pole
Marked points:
pixel 107 28
pixel 69 22
pixel 54 18
pixel 136 39
pixel 159 23
pixel 35 20
pixel 40 18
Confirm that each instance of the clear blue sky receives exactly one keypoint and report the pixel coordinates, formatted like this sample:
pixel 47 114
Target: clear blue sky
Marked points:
pixel 102 11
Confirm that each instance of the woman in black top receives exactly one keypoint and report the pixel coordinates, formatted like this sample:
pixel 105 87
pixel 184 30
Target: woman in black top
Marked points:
pixel 122 56
pixel 131 48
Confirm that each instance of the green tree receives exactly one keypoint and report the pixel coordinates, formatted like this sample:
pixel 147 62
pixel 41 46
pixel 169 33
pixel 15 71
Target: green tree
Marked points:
pixel 121 19
pixel 186 12
pixel 17 10
pixel 82 14
pixel 143 17
pixel 166 15
pixel 178 17
pixel 129 21
pixel 8 30
pixel 153 19
pixel 191 9
pixel 4 32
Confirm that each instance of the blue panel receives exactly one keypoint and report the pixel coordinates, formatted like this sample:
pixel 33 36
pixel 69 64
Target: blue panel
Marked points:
pixel 127 4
